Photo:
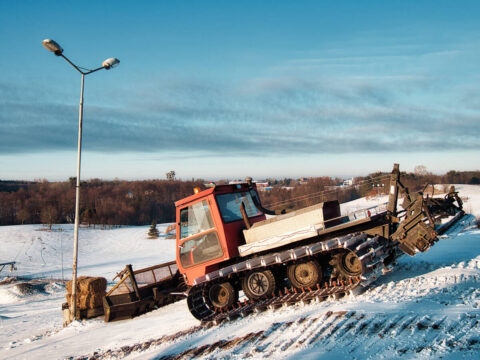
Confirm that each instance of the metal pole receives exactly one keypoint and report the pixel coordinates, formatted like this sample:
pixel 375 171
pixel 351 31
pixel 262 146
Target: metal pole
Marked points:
pixel 77 205
pixel 393 197
pixel 61 250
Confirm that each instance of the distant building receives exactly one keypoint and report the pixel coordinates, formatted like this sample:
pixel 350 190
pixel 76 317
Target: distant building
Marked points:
pixel 263 185
pixel 260 183
pixel 304 180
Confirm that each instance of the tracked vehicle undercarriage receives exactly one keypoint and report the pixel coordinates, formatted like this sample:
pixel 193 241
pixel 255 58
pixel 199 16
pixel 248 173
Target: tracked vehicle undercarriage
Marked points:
pixel 351 260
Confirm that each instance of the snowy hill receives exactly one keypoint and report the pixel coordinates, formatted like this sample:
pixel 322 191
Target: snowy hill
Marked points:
pixel 428 307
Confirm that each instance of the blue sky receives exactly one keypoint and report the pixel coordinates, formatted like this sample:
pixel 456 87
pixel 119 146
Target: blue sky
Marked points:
pixel 218 89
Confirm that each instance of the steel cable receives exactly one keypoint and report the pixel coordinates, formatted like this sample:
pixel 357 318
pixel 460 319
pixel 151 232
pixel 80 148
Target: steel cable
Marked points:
pixel 369 181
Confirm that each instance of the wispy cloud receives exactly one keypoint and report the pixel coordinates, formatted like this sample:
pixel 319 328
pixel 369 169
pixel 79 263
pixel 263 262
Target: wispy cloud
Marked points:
pixel 279 115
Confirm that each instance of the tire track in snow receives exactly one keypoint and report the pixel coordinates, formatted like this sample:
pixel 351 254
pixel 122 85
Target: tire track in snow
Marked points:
pixel 395 328
pixel 352 331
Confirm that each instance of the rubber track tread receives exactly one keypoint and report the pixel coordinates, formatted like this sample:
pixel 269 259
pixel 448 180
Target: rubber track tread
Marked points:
pixel 372 257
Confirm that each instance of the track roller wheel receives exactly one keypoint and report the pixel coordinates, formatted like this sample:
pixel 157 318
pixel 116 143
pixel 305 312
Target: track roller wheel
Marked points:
pixel 258 284
pixel 305 274
pixel 346 265
pixel 222 295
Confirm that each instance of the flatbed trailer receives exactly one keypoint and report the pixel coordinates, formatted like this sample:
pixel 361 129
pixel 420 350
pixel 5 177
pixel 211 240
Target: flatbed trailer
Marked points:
pixel 142 290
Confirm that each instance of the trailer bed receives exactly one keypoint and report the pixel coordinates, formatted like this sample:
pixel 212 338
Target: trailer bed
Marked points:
pixel 142 290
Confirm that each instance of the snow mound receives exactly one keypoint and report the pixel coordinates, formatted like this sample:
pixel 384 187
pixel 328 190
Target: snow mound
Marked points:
pixel 24 291
pixel 7 296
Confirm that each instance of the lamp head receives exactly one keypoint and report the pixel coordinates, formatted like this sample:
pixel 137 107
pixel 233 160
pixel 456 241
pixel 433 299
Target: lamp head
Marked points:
pixel 110 63
pixel 52 46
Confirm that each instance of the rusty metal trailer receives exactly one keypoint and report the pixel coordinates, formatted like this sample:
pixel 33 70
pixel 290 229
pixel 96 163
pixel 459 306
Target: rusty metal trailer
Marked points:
pixel 142 290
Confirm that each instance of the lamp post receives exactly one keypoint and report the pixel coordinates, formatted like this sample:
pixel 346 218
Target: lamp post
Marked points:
pixel 52 46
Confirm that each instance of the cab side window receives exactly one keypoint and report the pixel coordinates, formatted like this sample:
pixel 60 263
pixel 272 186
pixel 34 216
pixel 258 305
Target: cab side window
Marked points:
pixel 195 219
pixel 196 226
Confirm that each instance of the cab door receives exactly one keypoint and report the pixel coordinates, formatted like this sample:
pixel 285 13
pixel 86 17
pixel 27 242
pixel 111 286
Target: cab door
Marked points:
pixel 198 242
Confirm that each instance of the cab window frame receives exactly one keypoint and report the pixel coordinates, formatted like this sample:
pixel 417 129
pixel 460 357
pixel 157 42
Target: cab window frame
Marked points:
pixel 212 231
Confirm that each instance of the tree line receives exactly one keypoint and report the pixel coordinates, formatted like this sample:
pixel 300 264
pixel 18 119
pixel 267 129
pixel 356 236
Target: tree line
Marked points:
pixel 101 202
pixel 142 202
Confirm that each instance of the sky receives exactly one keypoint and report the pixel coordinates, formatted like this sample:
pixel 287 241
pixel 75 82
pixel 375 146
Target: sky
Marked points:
pixel 223 89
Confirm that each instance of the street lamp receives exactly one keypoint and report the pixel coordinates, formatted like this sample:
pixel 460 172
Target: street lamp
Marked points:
pixel 52 46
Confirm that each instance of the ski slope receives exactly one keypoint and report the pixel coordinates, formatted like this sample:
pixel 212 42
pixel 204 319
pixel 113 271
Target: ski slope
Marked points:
pixel 428 307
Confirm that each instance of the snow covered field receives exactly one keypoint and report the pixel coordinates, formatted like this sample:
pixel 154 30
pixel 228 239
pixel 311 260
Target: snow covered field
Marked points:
pixel 428 307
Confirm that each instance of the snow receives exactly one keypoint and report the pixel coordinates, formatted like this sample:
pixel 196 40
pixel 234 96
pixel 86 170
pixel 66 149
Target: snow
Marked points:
pixel 38 252
pixel 427 307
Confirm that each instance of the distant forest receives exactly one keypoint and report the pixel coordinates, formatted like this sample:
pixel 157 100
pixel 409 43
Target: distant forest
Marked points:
pixel 101 202
pixel 142 202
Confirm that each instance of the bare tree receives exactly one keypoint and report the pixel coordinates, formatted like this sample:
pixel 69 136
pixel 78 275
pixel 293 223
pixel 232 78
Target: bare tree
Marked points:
pixel 171 175
pixel 49 216
pixel 23 215
pixel 420 170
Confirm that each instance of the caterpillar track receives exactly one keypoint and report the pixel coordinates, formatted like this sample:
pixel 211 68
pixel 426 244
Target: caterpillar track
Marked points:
pixel 374 255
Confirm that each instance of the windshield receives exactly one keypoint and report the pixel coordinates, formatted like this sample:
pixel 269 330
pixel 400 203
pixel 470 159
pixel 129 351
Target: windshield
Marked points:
pixel 229 205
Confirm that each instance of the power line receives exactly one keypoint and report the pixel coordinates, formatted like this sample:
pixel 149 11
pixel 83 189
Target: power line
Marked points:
pixel 370 181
